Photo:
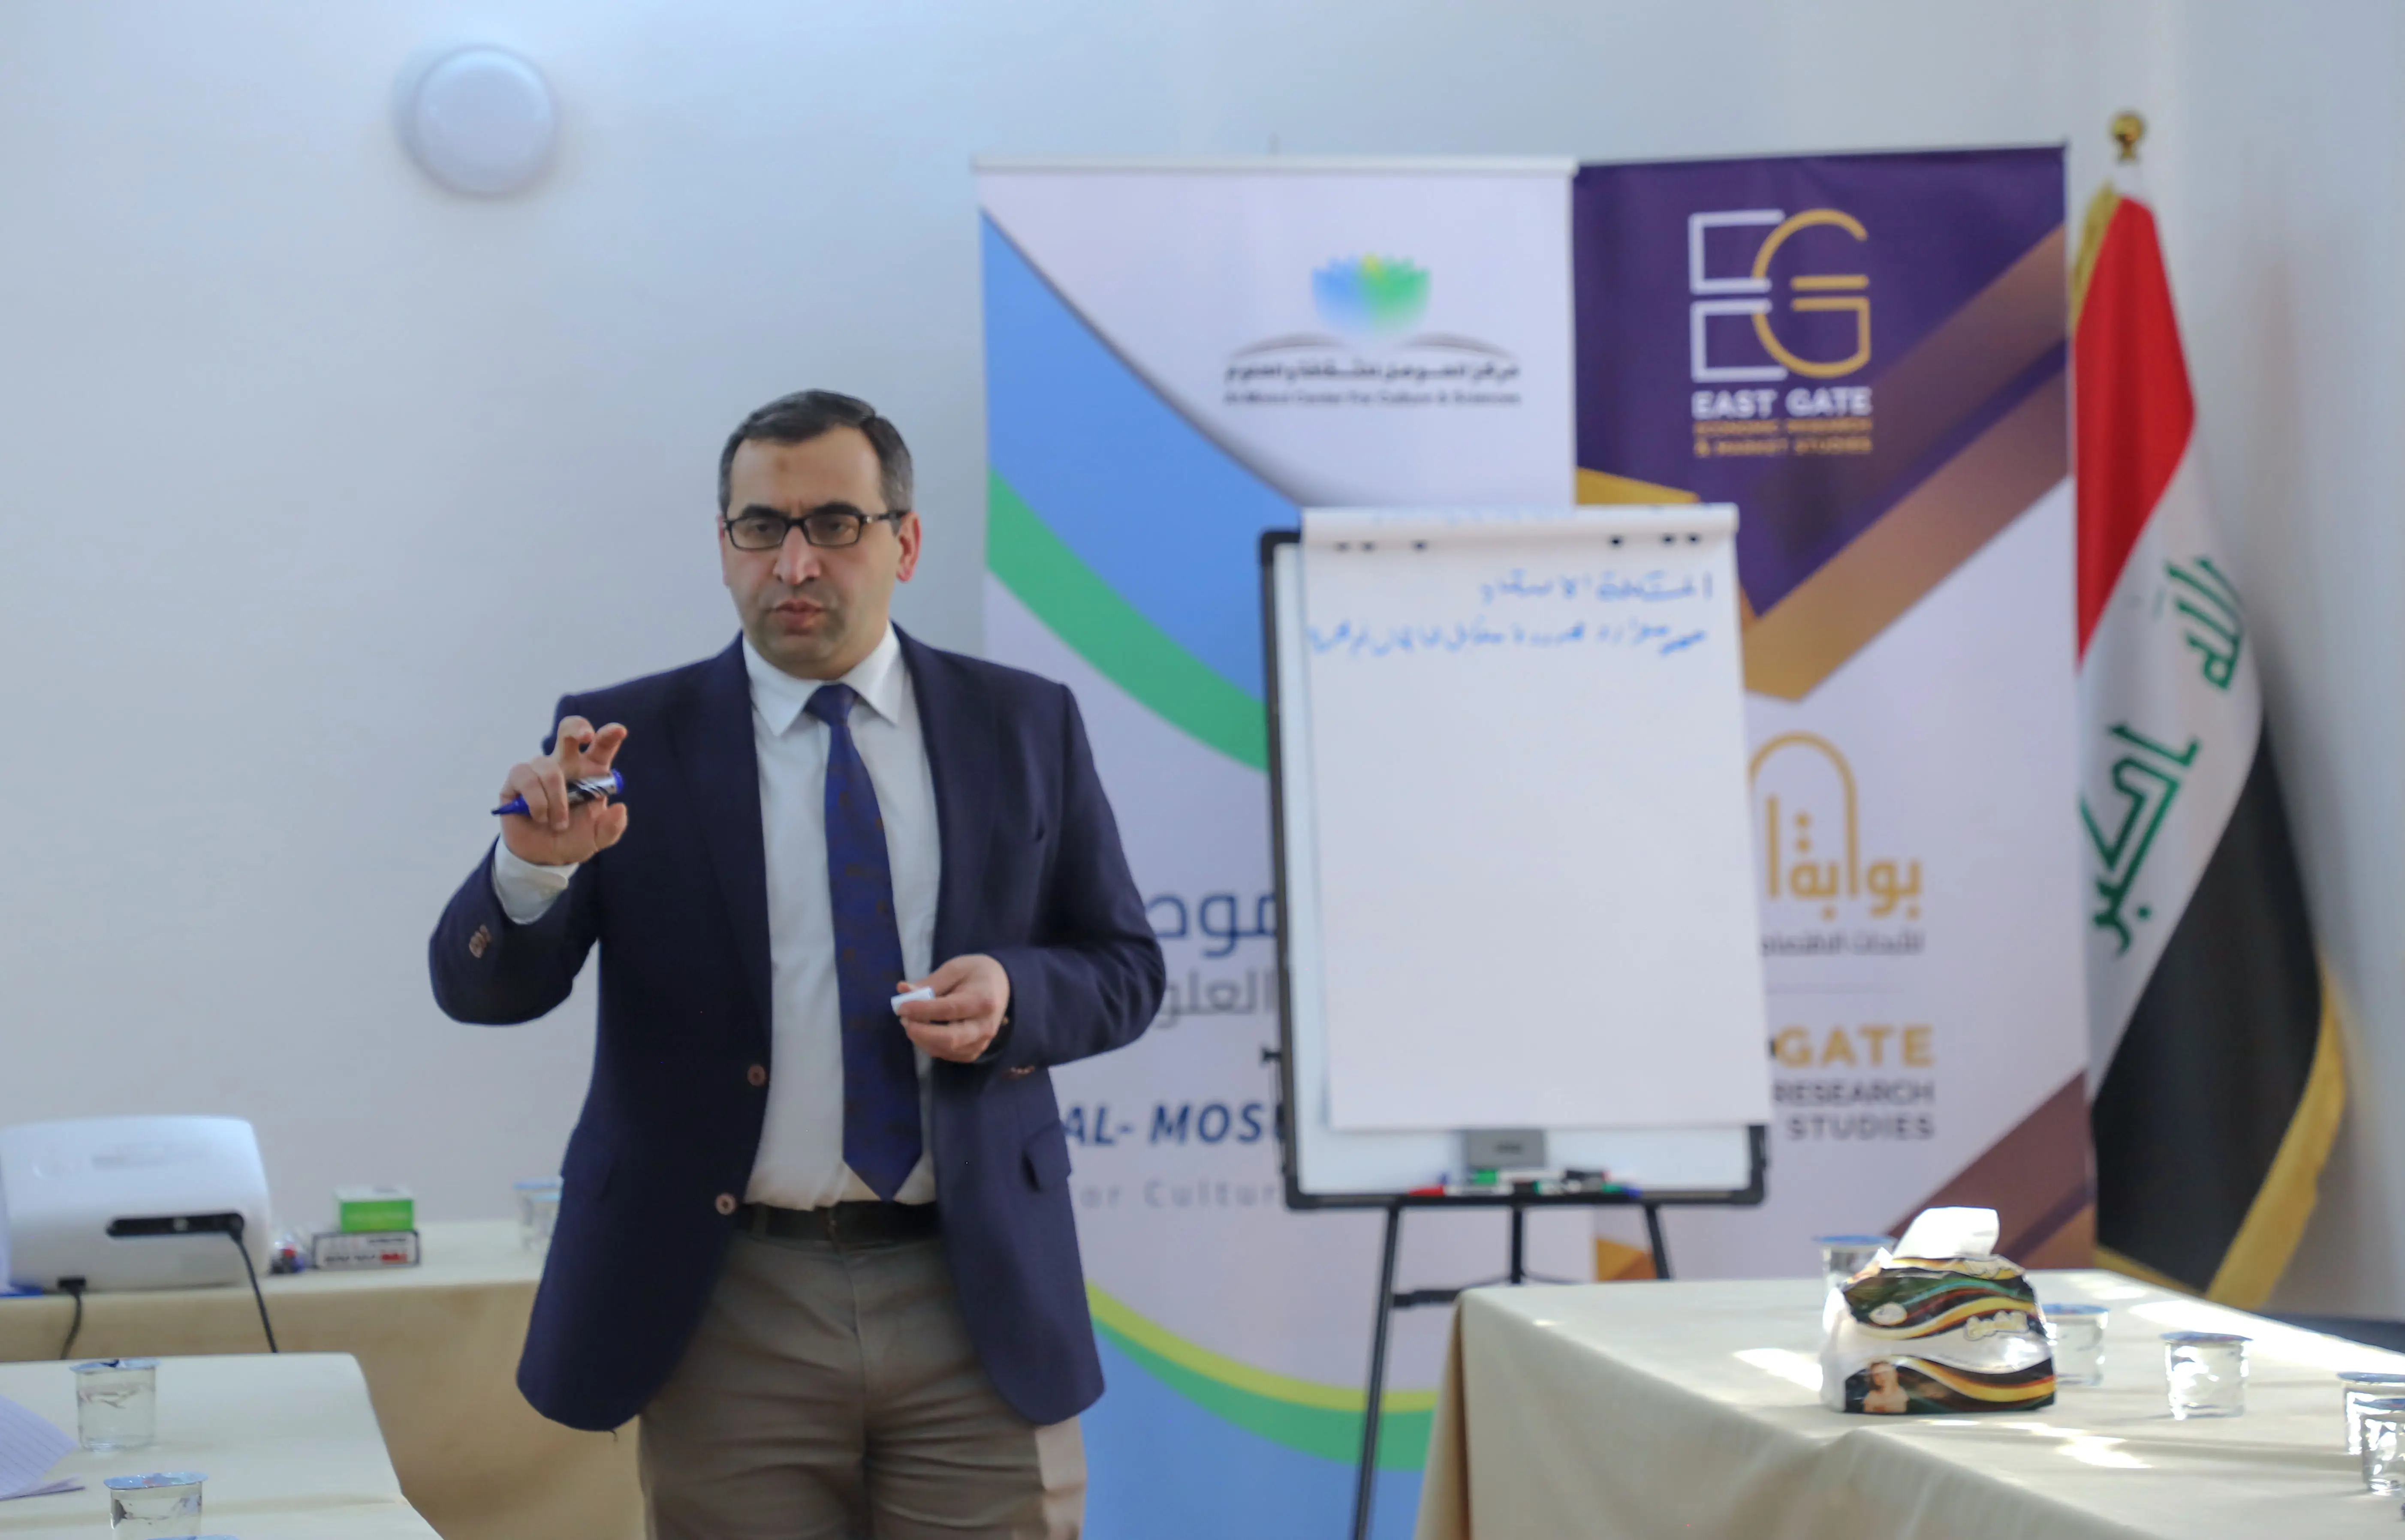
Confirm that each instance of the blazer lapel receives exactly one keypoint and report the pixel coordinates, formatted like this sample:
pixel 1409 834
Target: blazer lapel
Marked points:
pixel 714 747
pixel 959 727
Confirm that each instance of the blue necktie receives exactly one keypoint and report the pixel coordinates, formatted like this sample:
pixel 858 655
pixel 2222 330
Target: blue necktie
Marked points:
pixel 881 1137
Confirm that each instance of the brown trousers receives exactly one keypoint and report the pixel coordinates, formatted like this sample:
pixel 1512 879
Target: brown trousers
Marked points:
pixel 831 1393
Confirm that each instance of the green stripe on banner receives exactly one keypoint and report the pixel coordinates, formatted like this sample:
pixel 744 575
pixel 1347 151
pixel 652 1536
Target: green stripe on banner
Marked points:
pixel 1318 1420
pixel 1111 634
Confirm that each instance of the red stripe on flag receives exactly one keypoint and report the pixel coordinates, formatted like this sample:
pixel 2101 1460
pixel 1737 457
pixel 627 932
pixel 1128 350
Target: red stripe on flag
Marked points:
pixel 2132 408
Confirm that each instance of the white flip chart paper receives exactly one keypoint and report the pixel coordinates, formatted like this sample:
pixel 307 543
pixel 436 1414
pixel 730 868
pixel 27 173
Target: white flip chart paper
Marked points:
pixel 1535 882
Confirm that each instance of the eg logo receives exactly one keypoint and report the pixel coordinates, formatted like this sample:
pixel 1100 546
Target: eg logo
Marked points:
pixel 1842 292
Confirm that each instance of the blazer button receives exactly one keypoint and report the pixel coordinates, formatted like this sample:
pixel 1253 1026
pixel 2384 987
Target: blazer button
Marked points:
pixel 479 943
pixel 726 1203
pixel 758 1074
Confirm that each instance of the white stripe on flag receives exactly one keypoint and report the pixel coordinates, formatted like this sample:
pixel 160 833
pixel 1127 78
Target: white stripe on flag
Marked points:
pixel 2171 711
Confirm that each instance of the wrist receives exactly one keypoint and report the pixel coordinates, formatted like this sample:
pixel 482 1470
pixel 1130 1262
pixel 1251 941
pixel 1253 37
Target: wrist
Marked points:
pixel 526 889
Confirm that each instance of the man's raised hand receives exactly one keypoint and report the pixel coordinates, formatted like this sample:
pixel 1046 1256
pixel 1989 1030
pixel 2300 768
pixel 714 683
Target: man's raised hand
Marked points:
pixel 552 831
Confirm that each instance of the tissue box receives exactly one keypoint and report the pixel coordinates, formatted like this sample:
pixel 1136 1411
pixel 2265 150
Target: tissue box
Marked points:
pixel 1948 1335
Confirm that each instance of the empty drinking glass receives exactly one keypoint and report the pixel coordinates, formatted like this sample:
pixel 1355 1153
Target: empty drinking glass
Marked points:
pixel 164 1506
pixel 2382 1422
pixel 116 1403
pixel 2357 1386
pixel 2207 1371
pixel 538 1213
pixel 1844 1255
pixel 2077 1333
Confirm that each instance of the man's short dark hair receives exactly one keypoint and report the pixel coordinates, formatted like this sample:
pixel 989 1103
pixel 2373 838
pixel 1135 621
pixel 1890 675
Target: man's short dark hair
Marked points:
pixel 804 415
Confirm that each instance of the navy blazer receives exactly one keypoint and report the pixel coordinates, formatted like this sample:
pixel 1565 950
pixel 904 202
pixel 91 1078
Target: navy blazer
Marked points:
pixel 1033 876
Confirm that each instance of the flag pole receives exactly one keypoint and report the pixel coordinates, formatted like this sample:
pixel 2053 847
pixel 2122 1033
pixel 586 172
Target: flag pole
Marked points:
pixel 2228 1037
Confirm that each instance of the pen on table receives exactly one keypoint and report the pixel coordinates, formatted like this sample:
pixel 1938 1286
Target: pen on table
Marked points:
pixel 609 783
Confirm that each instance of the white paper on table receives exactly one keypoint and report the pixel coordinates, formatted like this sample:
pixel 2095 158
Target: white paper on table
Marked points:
pixel 30 1444
pixel 69 1483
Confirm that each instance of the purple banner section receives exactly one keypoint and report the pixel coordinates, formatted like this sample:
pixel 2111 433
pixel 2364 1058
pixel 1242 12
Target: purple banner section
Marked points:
pixel 1812 337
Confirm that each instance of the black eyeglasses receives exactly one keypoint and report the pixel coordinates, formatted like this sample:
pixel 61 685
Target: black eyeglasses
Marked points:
pixel 833 525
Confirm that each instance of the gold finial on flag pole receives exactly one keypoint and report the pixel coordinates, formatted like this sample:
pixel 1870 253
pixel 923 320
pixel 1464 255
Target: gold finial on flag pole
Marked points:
pixel 2128 129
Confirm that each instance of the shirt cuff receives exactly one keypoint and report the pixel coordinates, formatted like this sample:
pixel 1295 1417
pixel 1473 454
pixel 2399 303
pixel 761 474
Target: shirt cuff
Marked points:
pixel 526 891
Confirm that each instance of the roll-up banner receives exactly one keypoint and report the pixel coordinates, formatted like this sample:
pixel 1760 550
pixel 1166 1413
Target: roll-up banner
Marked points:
pixel 1180 356
pixel 1866 354
pixel 1177 360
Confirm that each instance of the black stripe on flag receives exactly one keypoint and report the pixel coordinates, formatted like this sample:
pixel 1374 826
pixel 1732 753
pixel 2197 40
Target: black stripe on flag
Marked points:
pixel 2202 1089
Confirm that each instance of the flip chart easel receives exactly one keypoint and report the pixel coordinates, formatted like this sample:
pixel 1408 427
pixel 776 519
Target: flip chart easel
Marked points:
pixel 1325 1166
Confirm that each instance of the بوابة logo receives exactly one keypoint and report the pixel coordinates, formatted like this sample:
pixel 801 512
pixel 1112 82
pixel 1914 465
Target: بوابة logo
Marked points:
pixel 1379 294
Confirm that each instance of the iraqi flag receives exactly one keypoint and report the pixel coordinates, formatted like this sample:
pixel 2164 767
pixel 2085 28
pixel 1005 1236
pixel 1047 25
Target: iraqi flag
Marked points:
pixel 2217 1061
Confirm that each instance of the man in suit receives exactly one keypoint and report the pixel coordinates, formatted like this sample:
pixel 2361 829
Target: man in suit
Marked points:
pixel 820 1240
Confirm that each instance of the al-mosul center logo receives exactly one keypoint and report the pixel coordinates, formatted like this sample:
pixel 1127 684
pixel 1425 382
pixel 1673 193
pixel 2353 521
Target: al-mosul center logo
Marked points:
pixel 1374 355
pixel 1371 294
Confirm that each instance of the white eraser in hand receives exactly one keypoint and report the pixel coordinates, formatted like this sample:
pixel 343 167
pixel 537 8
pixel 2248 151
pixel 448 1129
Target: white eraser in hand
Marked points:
pixel 902 1000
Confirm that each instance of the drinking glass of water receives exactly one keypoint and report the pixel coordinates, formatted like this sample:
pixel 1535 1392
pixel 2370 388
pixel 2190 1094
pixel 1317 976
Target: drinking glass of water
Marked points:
pixel 1844 1255
pixel 2207 1371
pixel 2383 1420
pixel 2356 1386
pixel 116 1403
pixel 2077 1333
pixel 164 1506
pixel 538 1213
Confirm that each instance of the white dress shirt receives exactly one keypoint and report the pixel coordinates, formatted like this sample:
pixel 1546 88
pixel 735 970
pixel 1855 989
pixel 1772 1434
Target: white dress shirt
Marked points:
pixel 800 1164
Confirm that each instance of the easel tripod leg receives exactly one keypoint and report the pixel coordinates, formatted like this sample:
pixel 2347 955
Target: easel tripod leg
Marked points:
pixel 1365 1488
pixel 1653 1234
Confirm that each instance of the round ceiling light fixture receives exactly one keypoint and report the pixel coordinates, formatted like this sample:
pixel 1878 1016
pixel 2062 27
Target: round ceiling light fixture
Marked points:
pixel 478 119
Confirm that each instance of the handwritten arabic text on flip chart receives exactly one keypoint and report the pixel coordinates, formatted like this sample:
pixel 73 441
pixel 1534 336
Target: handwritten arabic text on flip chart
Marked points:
pixel 1534 884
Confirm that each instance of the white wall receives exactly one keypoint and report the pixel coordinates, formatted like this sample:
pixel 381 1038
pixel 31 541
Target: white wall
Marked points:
pixel 316 484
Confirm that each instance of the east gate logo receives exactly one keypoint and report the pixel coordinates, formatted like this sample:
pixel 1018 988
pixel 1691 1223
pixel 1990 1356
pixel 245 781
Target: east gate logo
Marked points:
pixel 1716 293
pixel 1819 329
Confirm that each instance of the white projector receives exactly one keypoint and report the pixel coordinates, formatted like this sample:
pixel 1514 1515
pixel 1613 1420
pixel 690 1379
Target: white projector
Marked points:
pixel 131 1202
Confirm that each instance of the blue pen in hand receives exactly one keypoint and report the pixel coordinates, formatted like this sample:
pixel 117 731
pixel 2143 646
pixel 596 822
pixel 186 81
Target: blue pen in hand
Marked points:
pixel 608 784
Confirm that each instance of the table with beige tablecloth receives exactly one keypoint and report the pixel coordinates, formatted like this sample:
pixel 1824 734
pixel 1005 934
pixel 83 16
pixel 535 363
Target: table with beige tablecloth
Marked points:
pixel 439 1346
pixel 1692 1409
pixel 289 1446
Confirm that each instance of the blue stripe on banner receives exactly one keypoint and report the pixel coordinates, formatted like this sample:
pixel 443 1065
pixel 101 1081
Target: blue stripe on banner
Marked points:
pixel 1162 514
pixel 1159 1467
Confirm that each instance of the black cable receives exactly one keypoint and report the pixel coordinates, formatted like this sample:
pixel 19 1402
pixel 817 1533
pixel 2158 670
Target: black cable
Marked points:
pixel 73 1287
pixel 233 1233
